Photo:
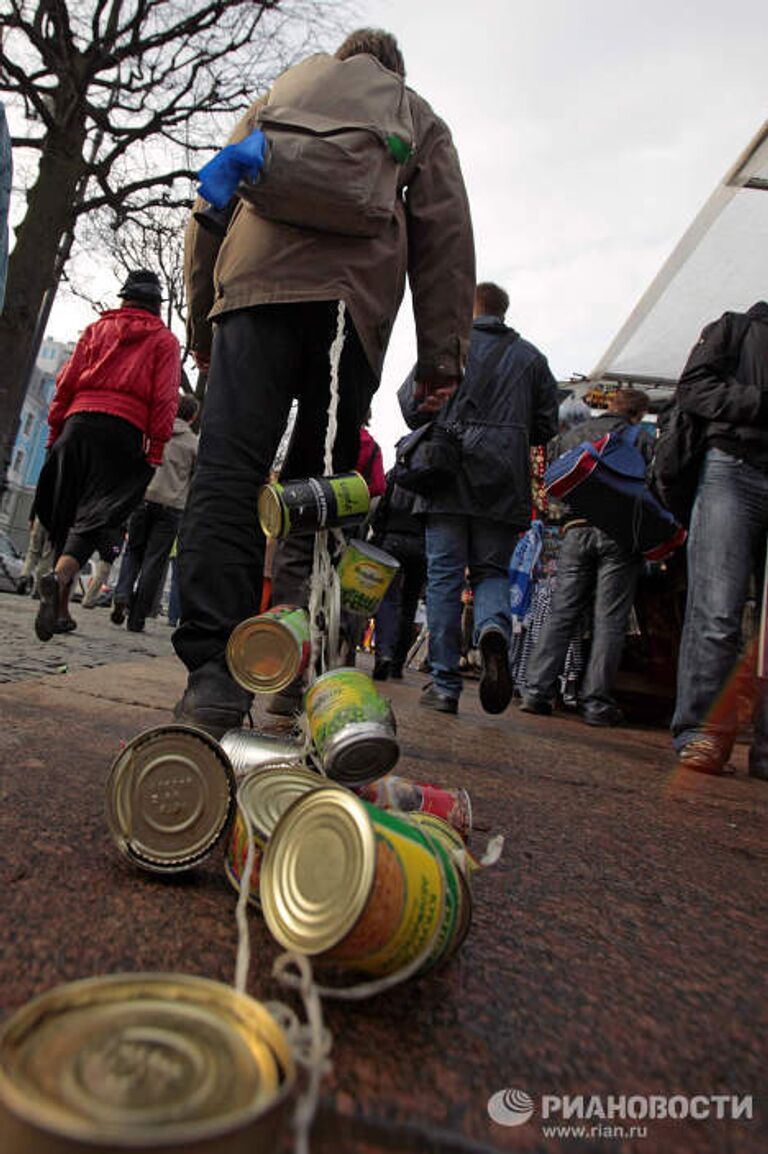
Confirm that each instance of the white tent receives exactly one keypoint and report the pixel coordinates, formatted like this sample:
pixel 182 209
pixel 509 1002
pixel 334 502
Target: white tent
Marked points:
pixel 720 264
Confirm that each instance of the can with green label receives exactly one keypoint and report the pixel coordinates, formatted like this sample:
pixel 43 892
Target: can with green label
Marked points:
pixel 351 726
pixel 304 506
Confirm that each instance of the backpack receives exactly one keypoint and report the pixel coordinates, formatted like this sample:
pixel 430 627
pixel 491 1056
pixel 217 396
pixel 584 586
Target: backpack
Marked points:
pixel 604 482
pixel 338 133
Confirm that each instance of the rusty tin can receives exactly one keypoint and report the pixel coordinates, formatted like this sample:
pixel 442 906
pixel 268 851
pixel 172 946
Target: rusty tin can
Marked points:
pixel 249 749
pixel 365 574
pixel 350 885
pixel 266 653
pixel 305 506
pixel 351 726
pixel 170 797
pixel 155 1062
pixel 406 796
pixel 264 794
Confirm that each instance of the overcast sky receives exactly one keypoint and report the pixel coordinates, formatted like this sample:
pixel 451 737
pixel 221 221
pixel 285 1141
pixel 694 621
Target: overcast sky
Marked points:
pixel 590 133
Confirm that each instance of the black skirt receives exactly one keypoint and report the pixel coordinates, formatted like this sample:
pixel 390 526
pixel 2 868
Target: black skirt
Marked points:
pixel 93 478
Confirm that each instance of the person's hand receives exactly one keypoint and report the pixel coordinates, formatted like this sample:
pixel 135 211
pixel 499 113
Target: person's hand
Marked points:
pixel 434 394
pixel 202 360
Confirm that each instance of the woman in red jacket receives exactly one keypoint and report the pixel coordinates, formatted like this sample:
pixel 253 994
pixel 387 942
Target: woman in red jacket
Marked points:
pixel 112 414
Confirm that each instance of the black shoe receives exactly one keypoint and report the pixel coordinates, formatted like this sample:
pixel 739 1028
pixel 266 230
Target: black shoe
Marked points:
pixel 381 669
pixel 213 701
pixel 117 616
pixel 65 625
pixel 496 686
pixel 48 610
pixel 288 701
pixel 536 705
pixel 134 626
pixel 396 672
pixel 24 585
pixel 607 717
pixel 433 699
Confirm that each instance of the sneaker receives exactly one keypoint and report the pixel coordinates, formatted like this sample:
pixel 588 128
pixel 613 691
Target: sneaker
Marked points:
pixel 117 616
pixel 213 701
pixel 495 686
pixel 704 754
pixel 288 702
pixel 433 699
pixel 381 669
pixel 610 715
pixel 48 610
pixel 535 705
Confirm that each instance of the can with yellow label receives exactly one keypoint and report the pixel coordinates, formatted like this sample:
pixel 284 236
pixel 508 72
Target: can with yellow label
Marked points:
pixel 351 727
pixel 365 574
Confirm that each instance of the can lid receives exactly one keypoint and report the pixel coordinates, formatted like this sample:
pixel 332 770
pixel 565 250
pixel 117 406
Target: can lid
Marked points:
pixel 266 793
pixel 318 870
pixel 269 509
pixel 170 796
pixel 262 655
pixel 142 1060
pixel 360 753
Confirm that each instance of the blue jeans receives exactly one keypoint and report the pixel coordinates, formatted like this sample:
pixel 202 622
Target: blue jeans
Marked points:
pixel 726 546
pixel 593 572
pixel 456 543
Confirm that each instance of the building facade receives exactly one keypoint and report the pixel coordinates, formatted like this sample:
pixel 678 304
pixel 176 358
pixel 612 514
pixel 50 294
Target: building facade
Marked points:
pixel 29 448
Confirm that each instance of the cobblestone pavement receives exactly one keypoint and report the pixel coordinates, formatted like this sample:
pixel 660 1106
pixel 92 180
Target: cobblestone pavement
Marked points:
pixel 96 641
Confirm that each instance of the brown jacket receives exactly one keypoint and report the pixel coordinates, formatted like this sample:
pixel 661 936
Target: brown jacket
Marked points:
pixel 430 238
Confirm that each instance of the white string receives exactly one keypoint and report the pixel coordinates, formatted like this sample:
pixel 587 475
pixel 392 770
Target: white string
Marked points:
pixel 243 960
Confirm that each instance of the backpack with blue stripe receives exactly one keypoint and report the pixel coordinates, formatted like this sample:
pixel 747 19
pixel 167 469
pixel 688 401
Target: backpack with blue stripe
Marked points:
pixel 604 482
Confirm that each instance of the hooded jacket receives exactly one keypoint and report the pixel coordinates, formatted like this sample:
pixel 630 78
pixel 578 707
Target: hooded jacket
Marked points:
pixel 170 484
pixel 261 261
pixel 517 409
pixel 127 364
pixel 725 382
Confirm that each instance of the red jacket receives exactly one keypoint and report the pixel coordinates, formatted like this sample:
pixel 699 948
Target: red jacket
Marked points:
pixel 128 364
pixel 370 464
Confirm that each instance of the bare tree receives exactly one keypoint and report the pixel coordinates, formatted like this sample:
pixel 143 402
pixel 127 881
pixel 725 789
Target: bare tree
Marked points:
pixel 120 97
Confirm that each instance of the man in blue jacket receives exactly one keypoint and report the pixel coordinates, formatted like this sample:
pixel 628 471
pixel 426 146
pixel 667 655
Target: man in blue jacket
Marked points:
pixel 473 521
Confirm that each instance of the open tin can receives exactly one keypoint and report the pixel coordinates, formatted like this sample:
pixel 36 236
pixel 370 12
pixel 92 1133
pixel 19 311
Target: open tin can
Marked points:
pixel 365 573
pixel 170 797
pixel 165 1063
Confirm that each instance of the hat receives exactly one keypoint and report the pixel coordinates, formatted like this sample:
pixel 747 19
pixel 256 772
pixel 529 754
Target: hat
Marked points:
pixel 142 285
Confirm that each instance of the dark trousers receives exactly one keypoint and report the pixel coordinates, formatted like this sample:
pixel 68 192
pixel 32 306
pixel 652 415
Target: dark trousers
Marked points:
pixel 394 620
pixel 152 530
pixel 262 358
pixel 592 570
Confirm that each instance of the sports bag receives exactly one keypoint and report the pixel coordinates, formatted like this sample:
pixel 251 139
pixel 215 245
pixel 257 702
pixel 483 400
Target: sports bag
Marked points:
pixel 604 482
pixel 337 133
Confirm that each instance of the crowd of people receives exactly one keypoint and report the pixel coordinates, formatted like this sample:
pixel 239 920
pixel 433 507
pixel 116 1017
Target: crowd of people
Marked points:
pixel 284 315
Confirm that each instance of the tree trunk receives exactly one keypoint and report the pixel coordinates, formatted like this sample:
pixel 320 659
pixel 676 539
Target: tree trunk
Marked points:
pixel 50 214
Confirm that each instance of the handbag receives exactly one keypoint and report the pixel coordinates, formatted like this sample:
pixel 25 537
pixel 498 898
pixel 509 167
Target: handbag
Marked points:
pixel 430 456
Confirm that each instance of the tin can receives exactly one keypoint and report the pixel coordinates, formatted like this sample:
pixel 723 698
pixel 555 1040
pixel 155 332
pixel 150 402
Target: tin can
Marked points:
pixel 406 796
pixel 350 885
pixel 365 574
pixel 457 909
pixel 249 749
pixel 170 797
pixel 315 503
pixel 449 837
pixel 266 653
pixel 265 795
pixel 351 726
pixel 157 1062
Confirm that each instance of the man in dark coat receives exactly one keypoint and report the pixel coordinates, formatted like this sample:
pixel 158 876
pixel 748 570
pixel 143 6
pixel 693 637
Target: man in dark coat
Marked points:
pixel 474 520
pixel 725 385
pixel 594 572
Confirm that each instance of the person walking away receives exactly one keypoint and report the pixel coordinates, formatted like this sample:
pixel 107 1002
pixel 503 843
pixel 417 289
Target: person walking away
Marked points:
pixel 397 531
pixel 109 420
pixel 473 521
pixel 274 294
pixel 594 573
pixel 724 386
pixel 155 522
